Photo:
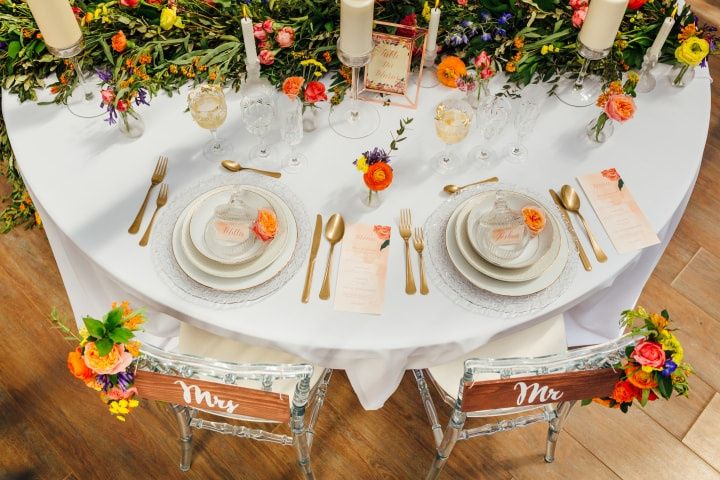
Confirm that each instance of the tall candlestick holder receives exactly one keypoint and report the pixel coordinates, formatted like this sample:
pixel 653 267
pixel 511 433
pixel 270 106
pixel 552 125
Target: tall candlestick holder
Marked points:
pixel 254 85
pixel 82 102
pixel 584 91
pixel 353 118
pixel 647 80
pixel 429 79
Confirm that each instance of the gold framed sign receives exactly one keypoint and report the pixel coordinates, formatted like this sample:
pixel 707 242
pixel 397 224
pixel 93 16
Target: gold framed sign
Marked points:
pixel 389 78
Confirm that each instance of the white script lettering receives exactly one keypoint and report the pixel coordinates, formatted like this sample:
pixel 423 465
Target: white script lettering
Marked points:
pixel 544 394
pixel 201 396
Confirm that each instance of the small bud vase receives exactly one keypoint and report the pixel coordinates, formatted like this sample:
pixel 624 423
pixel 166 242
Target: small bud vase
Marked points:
pixel 479 95
pixel 131 124
pixel 681 75
pixel 600 129
pixel 371 199
pixel 310 118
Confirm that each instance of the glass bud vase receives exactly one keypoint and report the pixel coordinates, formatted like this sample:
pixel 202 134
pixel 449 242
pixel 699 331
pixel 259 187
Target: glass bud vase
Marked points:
pixel 479 95
pixel 598 131
pixel 310 118
pixel 681 75
pixel 371 198
pixel 131 124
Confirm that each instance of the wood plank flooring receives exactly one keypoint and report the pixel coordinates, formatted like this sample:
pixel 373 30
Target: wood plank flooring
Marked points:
pixel 53 429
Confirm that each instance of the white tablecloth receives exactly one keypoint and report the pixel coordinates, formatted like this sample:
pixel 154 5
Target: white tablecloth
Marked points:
pixel 87 181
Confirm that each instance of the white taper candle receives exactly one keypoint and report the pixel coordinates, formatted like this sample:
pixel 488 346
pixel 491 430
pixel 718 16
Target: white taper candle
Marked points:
pixel 433 28
pixel 602 23
pixel 662 35
pixel 248 38
pixel 56 22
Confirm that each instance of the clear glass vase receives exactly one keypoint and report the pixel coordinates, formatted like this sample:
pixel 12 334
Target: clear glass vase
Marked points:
pixel 479 96
pixel 600 130
pixel 131 124
pixel 371 198
pixel 310 118
pixel 681 75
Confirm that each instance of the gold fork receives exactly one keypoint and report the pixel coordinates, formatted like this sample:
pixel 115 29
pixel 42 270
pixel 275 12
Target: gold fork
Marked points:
pixel 161 201
pixel 157 177
pixel 419 243
pixel 406 233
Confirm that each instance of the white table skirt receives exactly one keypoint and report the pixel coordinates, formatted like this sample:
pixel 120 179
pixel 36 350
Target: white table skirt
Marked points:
pixel 88 181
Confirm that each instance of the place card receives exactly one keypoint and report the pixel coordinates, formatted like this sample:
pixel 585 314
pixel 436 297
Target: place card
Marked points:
pixel 363 269
pixel 626 225
pixel 389 67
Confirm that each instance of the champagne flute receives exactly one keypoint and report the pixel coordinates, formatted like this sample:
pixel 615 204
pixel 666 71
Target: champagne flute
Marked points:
pixel 209 110
pixel 492 118
pixel 291 131
pixel 526 117
pixel 258 113
pixel 452 124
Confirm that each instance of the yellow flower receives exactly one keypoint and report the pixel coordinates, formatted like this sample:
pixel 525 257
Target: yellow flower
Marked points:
pixel 670 342
pixel 318 74
pixel 692 51
pixel 170 19
pixel 426 12
pixel 120 417
pixel 544 50
pixel 133 403
pixel 133 347
pixel 362 164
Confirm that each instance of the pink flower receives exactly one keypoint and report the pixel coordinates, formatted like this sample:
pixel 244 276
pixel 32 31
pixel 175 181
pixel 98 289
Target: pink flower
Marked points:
pixel 620 108
pixel 578 17
pixel 462 3
pixel 259 33
pixel 107 95
pixel 115 361
pixel 649 354
pixel 382 232
pixel 486 73
pixel 575 4
pixel 121 106
pixel 115 393
pixel 285 37
pixel 482 61
pixel 129 3
pixel 266 57
pixel 267 25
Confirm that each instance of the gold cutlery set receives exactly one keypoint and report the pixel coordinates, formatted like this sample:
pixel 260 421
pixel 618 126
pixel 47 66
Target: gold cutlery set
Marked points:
pixel 334 232
pixel 406 232
pixel 157 177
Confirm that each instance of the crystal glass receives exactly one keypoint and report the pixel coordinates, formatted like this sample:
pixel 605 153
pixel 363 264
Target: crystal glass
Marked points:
pixel 452 124
pixel 291 131
pixel 258 114
pixel 228 234
pixel 526 117
pixel 492 117
pixel 209 110
pixel 584 90
pixel 501 232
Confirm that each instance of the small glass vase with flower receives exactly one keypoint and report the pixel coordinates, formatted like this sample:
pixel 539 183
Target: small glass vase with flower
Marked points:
pixel 309 90
pixel 618 106
pixel 696 46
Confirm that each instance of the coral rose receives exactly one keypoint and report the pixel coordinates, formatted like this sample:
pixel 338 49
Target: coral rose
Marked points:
pixel 636 4
pixel 649 354
pixel 315 92
pixel 611 174
pixel 292 85
pixel 378 177
pixel 624 392
pixel 266 57
pixel 534 219
pixel 449 70
pixel 382 232
pixel 107 95
pixel 77 366
pixel 119 41
pixel 620 107
pixel 578 17
pixel 259 32
pixel 266 225
pixel 285 37
pixel 116 361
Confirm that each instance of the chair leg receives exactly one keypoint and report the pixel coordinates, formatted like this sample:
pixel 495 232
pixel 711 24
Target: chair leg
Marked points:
pixel 183 417
pixel 318 402
pixel 429 406
pixel 555 427
pixel 452 432
pixel 297 427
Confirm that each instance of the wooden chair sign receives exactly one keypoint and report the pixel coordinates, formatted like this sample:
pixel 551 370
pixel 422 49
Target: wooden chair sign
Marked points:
pixel 217 397
pixel 538 389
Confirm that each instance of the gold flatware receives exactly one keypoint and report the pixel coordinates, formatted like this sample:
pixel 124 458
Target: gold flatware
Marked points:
pixel 568 224
pixel 161 201
pixel 571 201
pixel 456 188
pixel 236 167
pixel 406 233
pixel 419 243
pixel 317 233
pixel 157 177
pixel 334 231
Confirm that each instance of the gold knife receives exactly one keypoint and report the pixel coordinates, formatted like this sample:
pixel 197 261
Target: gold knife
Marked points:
pixel 317 234
pixel 583 257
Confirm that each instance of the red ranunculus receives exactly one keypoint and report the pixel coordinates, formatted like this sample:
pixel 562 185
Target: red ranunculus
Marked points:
pixel 636 4
pixel 315 92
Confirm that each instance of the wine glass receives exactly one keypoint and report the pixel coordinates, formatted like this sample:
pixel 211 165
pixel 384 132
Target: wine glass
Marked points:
pixel 258 114
pixel 452 124
pixel 291 131
pixel 208 109
pixel 526 117
pixel 492 118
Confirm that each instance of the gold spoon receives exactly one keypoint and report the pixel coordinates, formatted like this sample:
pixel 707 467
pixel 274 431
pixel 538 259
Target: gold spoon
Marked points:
pixel 236 167
pixel 334 231
pixel 571 202
pixel 456 188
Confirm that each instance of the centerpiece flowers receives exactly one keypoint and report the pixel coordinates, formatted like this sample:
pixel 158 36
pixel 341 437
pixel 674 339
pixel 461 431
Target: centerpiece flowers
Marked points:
pixel 104 357
pixel 475 83
pixel 696 45
pixel 374 165
pixel 617 104
pixel 308 89
pixel 653 367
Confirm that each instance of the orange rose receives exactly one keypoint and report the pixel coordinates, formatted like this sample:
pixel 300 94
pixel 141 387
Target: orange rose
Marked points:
pixel 534 219
pixel 119 41
pixel 624 392
pixel 379 176
pixel 611 174
pixel 77 366
pixel 266 225
pixel 291 86
pixel 116 361
pixel 639 378
pixel 620 108
pixel 449 70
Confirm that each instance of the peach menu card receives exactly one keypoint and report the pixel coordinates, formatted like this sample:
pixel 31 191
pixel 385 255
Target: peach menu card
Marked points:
pixel 363 268
pixel 626 225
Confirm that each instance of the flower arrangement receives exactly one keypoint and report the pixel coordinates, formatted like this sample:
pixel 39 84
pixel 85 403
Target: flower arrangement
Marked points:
pixel 697 44
pixel 120 97
pixel 374 164
pixel 451 68
pixel 617 104
pixel 104 356
pixel 307 86
pixel 653 367
pixel 476 82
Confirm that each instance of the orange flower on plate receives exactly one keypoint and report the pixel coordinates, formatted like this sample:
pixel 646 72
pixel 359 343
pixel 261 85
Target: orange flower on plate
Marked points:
pixel 379 176
pixel 450 69
pixel 266 225
pixel 119 41
pixel 292 85
pixel 534 219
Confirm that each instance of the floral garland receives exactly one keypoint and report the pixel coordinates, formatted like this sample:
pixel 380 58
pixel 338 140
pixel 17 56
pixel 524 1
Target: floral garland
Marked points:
pixel 653 367
pixel 104 357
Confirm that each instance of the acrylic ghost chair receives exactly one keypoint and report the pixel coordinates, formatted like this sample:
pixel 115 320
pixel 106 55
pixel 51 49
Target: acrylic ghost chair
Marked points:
pixel 541 387
pixel 251 387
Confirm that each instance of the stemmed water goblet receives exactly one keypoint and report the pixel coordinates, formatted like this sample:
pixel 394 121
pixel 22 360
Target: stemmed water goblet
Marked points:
pixel 209 110
pixel 258 114
pixel 526 117
pixel 291 131
pixel 491 119
pixel 452 124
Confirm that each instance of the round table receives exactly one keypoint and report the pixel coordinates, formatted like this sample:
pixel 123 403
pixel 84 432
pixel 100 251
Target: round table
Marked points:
pixel 87 181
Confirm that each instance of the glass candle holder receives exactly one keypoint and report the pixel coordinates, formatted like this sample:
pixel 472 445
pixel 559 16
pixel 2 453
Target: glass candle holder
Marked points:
pixel 584 91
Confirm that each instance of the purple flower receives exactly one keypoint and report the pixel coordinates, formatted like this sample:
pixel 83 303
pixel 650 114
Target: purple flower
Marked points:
pixel 104 381
pixel 500 32
pixel 141 98
pixel 466 23
pixel 504 18
pixel 456 39
pixel 486 16
pixel 125 380
pixel 668 368
pixel 105 75
pixel 112 115
pixel 376 155
pixel 486 37
pixel 3 45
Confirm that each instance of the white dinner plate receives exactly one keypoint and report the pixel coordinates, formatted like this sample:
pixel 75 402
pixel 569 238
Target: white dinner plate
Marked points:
pixel 537 247
pixel 499 287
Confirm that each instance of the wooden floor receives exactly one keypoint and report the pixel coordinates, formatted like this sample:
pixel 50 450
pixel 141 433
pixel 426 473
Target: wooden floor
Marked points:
pixel 50 428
